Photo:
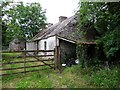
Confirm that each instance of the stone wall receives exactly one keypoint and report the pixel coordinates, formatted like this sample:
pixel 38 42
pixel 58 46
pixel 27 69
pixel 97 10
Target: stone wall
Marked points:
pixel 16 45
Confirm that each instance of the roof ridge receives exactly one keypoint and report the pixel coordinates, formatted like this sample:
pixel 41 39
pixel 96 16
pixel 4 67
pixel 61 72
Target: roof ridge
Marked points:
pixel 54 29
pixel 67 23
pixel 50 30
pixel 57 29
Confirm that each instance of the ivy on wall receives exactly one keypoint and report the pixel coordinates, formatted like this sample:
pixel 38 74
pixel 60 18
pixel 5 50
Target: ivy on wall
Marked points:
pixel 82 54
pixel 104 17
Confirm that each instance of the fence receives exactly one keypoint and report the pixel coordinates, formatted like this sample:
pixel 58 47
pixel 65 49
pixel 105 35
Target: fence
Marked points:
pixel 24 61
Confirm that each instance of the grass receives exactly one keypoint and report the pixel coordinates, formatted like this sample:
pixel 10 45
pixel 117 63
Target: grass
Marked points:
pixel 42 79
pixel 45 79
pixel 71 77
pixel 10 57
pixel 105 78
pixel 102 78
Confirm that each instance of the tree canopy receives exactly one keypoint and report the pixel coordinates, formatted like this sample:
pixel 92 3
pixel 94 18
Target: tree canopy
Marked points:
pixel 22 21
pixel 105 18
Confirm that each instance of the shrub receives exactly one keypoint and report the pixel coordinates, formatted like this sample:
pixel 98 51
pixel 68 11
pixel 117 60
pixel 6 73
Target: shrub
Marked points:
pixel 105 78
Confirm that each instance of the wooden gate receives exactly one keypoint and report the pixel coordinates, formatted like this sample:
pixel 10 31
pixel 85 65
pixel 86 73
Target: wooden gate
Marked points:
pixel 16 62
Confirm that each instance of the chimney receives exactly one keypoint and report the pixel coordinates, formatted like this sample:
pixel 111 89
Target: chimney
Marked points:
pixel 62 18
pixel 49 24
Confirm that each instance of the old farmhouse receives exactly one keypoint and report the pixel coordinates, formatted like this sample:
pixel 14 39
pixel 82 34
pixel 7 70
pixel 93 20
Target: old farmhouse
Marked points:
pixel 63 34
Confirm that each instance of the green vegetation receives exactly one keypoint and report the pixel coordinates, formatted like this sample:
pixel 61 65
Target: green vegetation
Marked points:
pixel 45 79
pixel 49 78
pixel 71 77
pixel 17 57
pixel 23 21
pixel 102 18
pixel 8 55
pixel 102 78
pixel 101 70
pixel 100 62
pixel 106 78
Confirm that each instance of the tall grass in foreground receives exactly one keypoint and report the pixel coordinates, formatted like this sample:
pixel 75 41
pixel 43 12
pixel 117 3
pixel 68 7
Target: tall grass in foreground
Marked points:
pixel 99 78
pixel 71 77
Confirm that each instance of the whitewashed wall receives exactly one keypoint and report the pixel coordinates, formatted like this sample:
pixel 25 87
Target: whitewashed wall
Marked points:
pixel 50 44
pixel 31 46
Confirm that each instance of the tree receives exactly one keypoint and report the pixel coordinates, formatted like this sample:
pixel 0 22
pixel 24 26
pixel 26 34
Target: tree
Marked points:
pixel 5 40
pixel 105 18
pixel 24 20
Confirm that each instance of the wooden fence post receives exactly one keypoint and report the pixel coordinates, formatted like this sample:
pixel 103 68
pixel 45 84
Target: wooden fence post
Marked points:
pixel 57 57
pixel 25 62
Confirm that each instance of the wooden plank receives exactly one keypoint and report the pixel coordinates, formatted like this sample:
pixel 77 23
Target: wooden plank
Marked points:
pixel 41 61
pixel 34 56
pixel 24 72
pixel 57 57
pixel 8 51
pixel 25 67
pixel 40 56
pixel 26 61
pixel 30 56
pixel 54 59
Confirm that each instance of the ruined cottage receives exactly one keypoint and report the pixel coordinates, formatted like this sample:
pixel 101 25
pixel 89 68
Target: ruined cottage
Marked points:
pixel 63 34
pixel 16 45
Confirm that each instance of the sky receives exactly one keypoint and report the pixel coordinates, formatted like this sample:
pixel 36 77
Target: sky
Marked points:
pixel 56 8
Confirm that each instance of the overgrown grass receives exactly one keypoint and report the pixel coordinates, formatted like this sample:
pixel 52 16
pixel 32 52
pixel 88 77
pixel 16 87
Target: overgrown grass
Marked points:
pixel 14 57
pixel 29 80
pixel 100 78
pixel 7 55
pixel 105 78
pixel 45 79
pixel 71 77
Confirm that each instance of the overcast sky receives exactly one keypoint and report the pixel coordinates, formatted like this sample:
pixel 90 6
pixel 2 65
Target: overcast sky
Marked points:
pixel 56 8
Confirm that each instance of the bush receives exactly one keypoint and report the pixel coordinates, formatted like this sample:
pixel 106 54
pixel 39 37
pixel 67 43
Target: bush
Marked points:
pixel 105 78
pixel 98 77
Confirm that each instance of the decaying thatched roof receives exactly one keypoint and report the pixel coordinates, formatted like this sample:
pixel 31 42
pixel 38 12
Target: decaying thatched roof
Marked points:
pixel 65 29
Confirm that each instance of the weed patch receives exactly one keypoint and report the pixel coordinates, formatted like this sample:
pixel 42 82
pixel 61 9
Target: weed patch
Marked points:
pixel 105 78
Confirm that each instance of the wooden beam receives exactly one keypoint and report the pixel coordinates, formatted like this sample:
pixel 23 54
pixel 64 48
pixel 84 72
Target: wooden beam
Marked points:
pixel 26 61
pixel 68 40
pixel 41 61
pixel 27 56
pixel 24 72
pixel 7 51
pixel 57 57
pixel 24 67
pixel 40 55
